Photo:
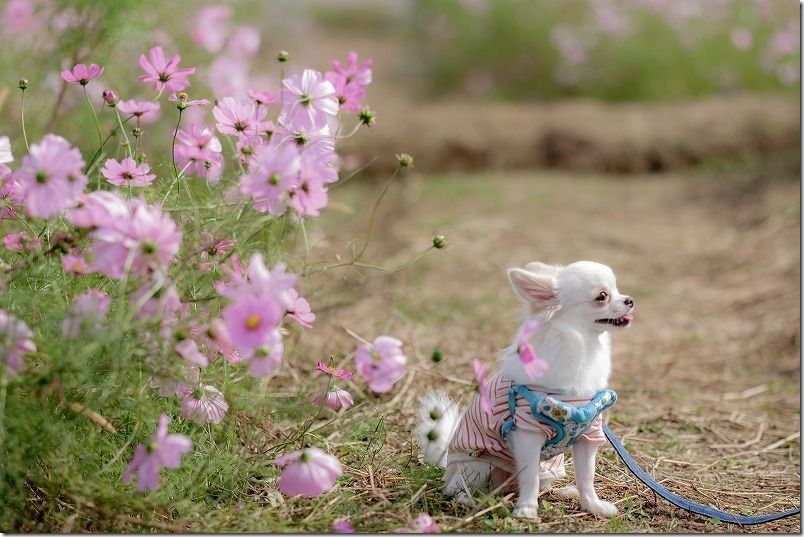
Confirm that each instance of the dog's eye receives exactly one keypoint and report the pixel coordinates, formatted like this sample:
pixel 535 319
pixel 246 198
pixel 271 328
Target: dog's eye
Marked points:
pixel 602 296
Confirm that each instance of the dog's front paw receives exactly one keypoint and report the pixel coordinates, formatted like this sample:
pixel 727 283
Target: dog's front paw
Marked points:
pixel 600 508
pixel 526 511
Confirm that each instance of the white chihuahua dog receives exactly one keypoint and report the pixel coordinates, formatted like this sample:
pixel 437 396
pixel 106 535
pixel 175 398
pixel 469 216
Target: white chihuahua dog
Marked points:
pixel 570 312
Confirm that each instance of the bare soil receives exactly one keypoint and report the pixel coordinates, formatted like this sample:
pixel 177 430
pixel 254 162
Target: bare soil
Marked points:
pixel 708 376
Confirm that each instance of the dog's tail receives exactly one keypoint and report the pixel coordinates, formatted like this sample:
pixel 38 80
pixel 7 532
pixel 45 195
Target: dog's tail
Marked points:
pixel 438 419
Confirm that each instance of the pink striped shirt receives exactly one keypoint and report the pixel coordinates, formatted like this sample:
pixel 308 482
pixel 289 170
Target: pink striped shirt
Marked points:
pixel 478 432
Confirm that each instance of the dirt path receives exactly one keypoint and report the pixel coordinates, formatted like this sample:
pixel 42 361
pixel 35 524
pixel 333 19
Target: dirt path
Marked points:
pixel 708 376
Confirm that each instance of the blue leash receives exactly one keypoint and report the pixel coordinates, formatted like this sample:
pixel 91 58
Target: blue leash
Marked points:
pixel 684 503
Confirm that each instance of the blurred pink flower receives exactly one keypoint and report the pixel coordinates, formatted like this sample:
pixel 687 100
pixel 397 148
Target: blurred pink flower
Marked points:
pixel 19 18
pixel 271 177
pixel 76 264
pixel 163 450
pixel 14 242
pixel 381 363
pixel 127 173
pixel 164 74
pixel 211 26
pixel 261 98
pixel 10 195
pixel 534 366
pixel 481 372
pixel 137 108
pixel 204 404
pixel 178 379
pixel 236 116
pixel 267 358
pixel 741 38
pixel 15 341
pixel 99 208
pixel 251 321
pixel 81 74
pixel 50 178
pixel 244 41
pixel 342 526
pixel 188 349
pixel 217 338
pixel 247 146
pixel 198 149
pixel 86 314
pixel 300 310
pixel 422 524
pixel 143 243
pixel 228 75
pixel 161 305
pixel 359 75
pixel 309 472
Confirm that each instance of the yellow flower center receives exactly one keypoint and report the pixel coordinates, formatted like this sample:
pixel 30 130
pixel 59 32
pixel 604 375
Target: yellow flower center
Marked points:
pixel 253 321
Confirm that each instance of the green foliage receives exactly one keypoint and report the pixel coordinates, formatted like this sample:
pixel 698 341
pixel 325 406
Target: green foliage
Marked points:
pixel 545 49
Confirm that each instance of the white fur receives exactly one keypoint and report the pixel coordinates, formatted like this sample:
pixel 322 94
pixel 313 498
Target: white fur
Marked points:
pixel 569 302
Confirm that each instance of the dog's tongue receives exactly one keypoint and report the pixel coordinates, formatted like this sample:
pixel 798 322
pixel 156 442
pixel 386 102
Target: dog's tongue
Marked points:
pixel 628 317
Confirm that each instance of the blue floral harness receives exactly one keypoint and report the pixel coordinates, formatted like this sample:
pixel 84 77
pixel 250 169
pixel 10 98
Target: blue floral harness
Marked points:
pixel 569 422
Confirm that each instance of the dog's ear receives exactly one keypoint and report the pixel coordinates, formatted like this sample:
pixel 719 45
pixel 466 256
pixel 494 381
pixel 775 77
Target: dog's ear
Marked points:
pixel 540 290
pixel 543 268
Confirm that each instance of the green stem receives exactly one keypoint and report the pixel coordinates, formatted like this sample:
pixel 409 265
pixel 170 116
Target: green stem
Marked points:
pixel 94 116
pixel 22 114
pixel 374 213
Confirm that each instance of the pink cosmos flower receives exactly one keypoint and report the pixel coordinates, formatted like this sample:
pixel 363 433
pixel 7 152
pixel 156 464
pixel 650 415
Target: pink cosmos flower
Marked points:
pixel 534 366
pixel 309 193
pixel 381 363
pixel 334 371
pixel 98 209
pixel 311 98
pixel 251 320
pixel 86 314
pixel 217 338
pixel 422 524
pixel 204 404
pixel 336 398
pixel 360 75
pixel 163 450
pixel 481 372
pixel 309 472
pixel 111 98
pixel 261 98
pixel 247 146
pixel 143 243
pixel 76 264
pixel 156 303
pixel 14 242
pixel 188 349
pixel 211 26
pixel 81 74
pixel 198 152
pixel 127 173
pixel 238 116
pixel 10 195
pixel 178 379
pixel 164 74
pixel 342 526
pixel 15 341
pixel 50 177
pixel 271 177
pixel 137 108
pixel 350 96
pixel 267 358
pixel 182 102
pixel 300 310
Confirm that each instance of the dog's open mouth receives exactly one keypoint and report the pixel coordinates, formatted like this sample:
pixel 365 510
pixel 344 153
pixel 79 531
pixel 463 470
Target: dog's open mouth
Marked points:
pixel 625 320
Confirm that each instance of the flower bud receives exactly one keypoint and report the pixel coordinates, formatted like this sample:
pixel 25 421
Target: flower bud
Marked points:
pixel 440 242
pixel 111 98
pixel 136 132
pixel 437 355
pixel 24 84
pixel 404 160
pixel 282 56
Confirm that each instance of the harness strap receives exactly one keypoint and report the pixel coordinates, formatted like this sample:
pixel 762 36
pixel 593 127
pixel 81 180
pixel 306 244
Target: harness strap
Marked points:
pixel 684 503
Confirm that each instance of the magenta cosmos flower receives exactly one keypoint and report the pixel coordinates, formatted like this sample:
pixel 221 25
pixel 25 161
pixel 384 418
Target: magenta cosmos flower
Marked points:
pixel 334 371
pixel 99 208
pixel 342 526
pixel 127 173
pixel 271 178
pixel 199 152
pixel 137 108
pixel 50 178
pixel 300 310
pixel 534 366
pixel 164 74
pixel 15 341
pixel 204 404
pixel 335 397
pixel 381 363
pixel 310 472
pixel 163 450
pixel 81 74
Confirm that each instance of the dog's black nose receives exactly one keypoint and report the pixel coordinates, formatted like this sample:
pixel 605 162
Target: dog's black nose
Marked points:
pixel 629 302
